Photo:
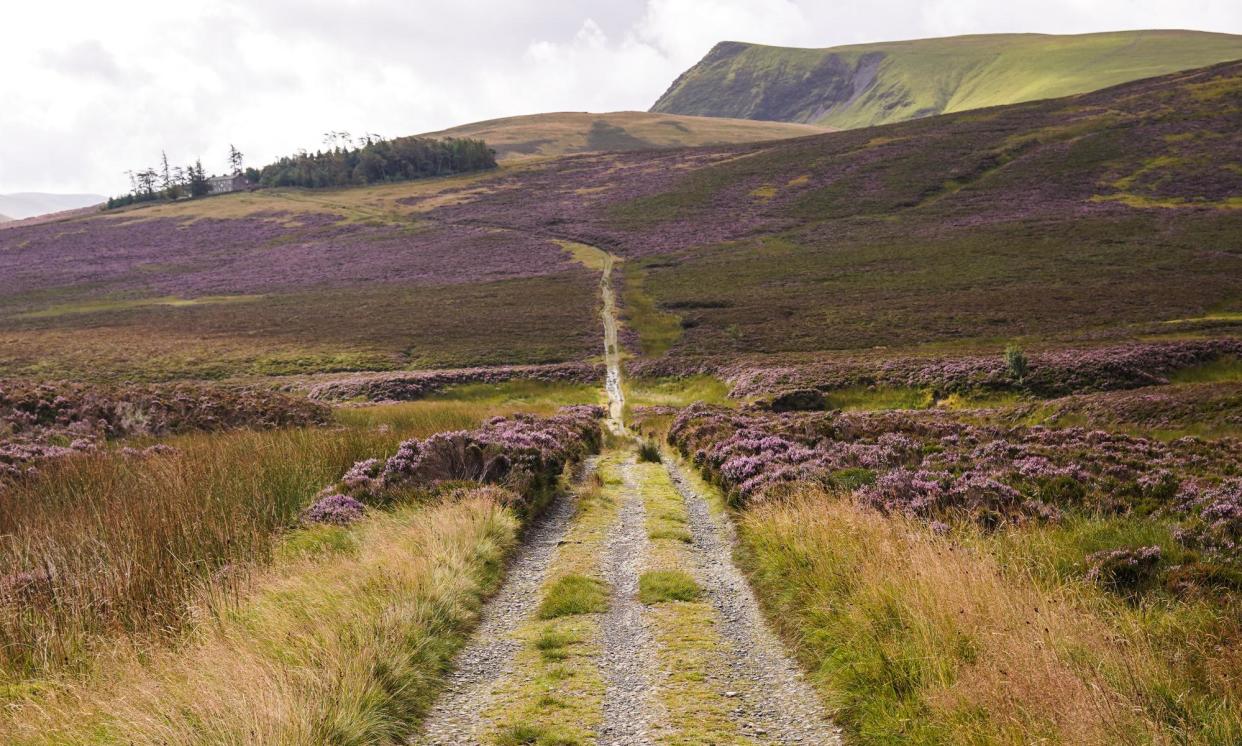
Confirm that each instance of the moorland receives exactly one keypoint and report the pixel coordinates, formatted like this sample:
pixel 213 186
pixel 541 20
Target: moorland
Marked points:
pixel 964 390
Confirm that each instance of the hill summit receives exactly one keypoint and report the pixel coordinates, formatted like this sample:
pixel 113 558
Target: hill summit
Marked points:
pixel 870 84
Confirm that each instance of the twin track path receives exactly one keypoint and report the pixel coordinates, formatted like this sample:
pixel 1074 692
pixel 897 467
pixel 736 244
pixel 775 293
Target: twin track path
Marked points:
pixel 696 666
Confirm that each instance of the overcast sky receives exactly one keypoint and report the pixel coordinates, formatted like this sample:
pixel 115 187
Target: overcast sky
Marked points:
pixel 90 88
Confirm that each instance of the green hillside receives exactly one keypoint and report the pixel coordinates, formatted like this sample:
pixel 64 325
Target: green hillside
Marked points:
pixel 565 133
pixel 869 84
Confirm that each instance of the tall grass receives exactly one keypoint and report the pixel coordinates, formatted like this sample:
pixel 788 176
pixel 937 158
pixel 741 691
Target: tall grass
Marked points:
pixel 913 638
pixel 344 645
pixel 107 544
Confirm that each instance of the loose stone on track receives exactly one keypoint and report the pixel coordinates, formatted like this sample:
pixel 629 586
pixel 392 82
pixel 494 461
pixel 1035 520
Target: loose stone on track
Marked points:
pixel 629 656
pixel 488 657
pixel 775 702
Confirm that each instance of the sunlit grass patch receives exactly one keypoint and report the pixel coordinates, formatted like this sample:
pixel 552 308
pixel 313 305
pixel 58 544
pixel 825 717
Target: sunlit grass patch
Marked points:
pixel 574 594
pixel 315 541
pixel 657 329
pixel 660 586
pixel 101 306
pixel 523 392
pixel 871 398
pixel 1222 370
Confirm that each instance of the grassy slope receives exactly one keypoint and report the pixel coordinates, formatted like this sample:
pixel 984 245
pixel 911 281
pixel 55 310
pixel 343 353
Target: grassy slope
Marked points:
pixel 835 87
pixel 566 133
pixel 1101 215
pixel 103 308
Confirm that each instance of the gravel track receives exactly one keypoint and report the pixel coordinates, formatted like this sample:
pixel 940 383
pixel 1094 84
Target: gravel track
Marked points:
pixel 775 704
pixel 488 657
pixel 629 655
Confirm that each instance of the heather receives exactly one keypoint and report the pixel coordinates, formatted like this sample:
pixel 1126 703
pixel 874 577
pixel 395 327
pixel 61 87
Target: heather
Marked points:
pixel 264 252
pixel 45 421
pixel 414 385
pixel 1048 373
pixel 1207 410
pixel 1035 220
pixel 939 468
pixel 524 452
pixel 948 575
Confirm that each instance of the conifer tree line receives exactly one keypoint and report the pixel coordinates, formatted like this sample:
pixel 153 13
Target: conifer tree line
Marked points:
pixel 343 162
pixel 375 159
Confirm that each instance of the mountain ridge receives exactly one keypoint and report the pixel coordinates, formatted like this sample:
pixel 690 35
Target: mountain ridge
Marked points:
pixel 859 85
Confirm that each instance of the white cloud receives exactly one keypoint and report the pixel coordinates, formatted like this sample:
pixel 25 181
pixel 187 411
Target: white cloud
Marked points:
pixel 90 89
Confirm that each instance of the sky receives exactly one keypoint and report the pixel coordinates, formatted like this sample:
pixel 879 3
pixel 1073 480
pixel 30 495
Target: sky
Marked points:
pixel 90 89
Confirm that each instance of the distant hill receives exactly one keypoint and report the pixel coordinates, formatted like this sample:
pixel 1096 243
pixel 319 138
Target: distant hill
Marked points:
pixel 869 84
pixel 1110 215
pixel 29 204
pixel 564 133
pixel 4 218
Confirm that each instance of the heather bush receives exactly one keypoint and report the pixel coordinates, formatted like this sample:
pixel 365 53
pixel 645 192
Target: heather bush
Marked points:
pixel 524 452
pixel 1047 373
pixel 47 421
pixel 334 509
pixel 1124 570
pixel 413 385
pixel 935 466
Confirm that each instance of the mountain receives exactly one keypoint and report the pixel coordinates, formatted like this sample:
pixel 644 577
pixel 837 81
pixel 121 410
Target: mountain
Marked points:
pixel 1111 215
pixel 564 133
pixel 4 218
pixel 869 84
pixel 30 204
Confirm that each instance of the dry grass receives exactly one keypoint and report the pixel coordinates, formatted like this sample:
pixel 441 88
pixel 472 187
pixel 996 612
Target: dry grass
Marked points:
pixel 913 639
pixel 341 647
pixel 117 545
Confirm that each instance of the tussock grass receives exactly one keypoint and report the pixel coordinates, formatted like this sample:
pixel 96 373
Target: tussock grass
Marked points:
pixel 659 586
pixel 127 544
pixel 649 452
pixel 574 594
pixel 341 648
pixel 913 638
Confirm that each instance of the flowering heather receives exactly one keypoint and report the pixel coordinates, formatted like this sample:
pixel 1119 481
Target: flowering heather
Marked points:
pixel 334 509
pixel 40 422
pixel 1200 407
pixel 522 451
pixel 411 385
pixel 1124 569
pixel 932 466
pixel 261 254
pixel 1051 373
